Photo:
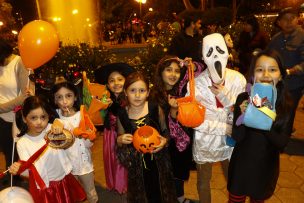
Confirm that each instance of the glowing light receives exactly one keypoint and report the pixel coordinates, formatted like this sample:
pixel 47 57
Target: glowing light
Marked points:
pixel 74 20
pixel 14 32
pixel 151 9
pixel 75 11
pixel 39 41
pixel 56 19
pixel 1 23
pixel 141 1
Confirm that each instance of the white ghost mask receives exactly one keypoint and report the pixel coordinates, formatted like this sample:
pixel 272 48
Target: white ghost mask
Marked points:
pixel 215 55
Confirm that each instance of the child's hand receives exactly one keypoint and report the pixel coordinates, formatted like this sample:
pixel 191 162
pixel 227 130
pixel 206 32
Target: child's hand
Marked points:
pixel 108 101
pixel 28 92
pixel 172 101
pixel 125 139
pixel 189 61
pixel 163 142
pixel 243 106
pixel 14 168
pixel 216 88
pixel 57 127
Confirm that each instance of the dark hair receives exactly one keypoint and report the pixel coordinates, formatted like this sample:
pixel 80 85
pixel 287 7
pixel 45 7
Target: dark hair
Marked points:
pixel 252 20
pixel 5 50
pixel 284 102
pixel 29 104
pixel 68 86
pixel 159 92
pixel 188 19
pixel 270 53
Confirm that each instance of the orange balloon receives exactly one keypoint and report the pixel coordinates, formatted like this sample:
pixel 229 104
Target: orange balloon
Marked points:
pixel 38 42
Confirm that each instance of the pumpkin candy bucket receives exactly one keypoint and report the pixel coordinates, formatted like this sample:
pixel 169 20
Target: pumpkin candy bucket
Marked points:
pixel 190 112
pixel 145 138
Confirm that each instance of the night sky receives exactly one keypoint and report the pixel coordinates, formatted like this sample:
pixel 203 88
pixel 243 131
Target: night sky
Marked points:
pixel 27 8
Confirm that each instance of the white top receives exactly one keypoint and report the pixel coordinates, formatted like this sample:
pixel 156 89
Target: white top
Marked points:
pixel 52 165
pixel 13 81
pixel 80 152
pixel 210 137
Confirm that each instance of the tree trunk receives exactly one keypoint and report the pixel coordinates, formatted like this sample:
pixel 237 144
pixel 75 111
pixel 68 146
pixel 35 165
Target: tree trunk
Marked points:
pixel 188 5
pixel 212 4
pixel 234 10
pixel 203 5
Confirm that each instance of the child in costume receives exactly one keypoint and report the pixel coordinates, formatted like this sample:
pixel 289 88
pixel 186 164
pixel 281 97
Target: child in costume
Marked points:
pixel 50 173
pixel 66 98
pixel 216 88
pixel 150 177
pixel 170 79
pixel 113 75
pixel 255 162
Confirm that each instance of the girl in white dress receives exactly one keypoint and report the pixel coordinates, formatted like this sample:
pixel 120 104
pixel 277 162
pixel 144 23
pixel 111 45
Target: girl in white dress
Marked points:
pixel 50 173
pixel 66 98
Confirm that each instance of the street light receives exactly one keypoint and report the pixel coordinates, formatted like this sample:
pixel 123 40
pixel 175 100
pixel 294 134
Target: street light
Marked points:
pixel 140 2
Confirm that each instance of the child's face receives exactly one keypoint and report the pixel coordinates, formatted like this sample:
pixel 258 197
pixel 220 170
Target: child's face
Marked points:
pixel 171 75
pixel 116 82
pixel 267 70
pixel 137 93
pixel 65 98
pixel 36 120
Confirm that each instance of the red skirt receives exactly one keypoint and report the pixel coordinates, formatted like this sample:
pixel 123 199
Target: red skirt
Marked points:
pixel 67 190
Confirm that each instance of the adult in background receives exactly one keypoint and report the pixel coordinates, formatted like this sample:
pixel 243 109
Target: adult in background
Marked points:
pixel 289 42
pixel 301 16
pixel 251 38
pixel 14 89
pixel 188 42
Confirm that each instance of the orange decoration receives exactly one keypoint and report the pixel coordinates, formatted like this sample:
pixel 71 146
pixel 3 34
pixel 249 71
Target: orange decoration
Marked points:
pixel 38 42
pixel 145 138
pixel 190 112
pixel 94 98
pixel 86 128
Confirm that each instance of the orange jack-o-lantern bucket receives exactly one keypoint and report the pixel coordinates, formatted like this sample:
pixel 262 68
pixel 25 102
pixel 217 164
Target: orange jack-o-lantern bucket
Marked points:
pixel 60 141
pixel 145 139
pixel 190 112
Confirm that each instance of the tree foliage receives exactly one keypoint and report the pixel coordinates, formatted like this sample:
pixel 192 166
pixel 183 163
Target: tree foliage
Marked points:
pixel 7 20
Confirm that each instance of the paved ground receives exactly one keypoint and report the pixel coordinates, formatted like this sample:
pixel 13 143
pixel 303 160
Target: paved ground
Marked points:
pixel 290 187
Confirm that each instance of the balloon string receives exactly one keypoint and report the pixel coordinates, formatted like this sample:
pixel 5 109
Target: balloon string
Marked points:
pixel 28 79
pixel 13 154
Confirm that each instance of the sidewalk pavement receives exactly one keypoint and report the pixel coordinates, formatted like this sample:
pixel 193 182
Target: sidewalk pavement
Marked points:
pixel 290 187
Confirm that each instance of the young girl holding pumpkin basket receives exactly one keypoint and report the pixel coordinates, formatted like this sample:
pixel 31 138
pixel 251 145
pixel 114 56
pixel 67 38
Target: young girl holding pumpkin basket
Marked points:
pixel 170 80
pixel 48 168
pixel 149 175
pixel 255 162
pixel 67 100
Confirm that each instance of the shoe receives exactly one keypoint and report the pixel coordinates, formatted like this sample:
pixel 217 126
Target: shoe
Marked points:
pixel 188 201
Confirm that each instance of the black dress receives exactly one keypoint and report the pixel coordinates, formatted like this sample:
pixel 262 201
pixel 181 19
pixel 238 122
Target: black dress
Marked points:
pixel 150 178
pixel 255 161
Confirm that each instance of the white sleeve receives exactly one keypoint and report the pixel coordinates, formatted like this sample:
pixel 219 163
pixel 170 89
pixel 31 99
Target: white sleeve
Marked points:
pixel 23 155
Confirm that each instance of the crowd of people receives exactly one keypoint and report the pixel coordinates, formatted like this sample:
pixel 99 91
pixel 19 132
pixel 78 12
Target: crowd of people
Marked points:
pixel 248 155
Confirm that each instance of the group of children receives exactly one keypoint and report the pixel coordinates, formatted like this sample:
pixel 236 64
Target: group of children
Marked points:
pixel 251 166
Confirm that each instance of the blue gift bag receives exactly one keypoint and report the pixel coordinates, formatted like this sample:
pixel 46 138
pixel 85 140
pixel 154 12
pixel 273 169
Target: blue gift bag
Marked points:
pixel 261 117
